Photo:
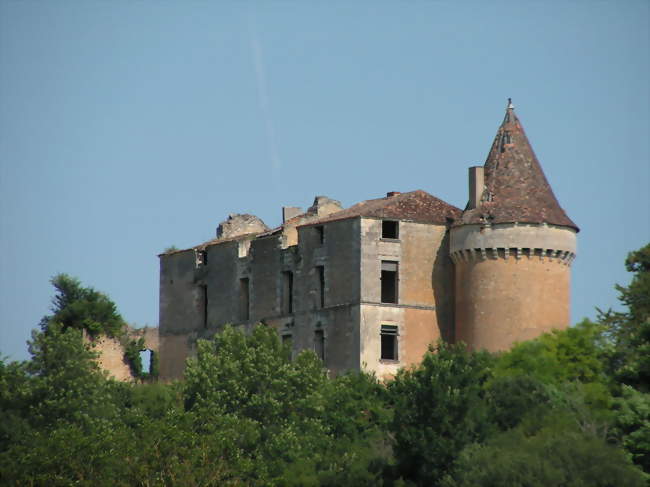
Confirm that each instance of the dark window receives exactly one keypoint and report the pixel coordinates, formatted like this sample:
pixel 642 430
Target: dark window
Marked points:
pixel 389 342
pixel 319 344
pixel 320 286
pixel 204 305
pixel 389 229
pixel 244 298
pixel 287 292
pixel 389 280
pixel 203 257
pixel 320 234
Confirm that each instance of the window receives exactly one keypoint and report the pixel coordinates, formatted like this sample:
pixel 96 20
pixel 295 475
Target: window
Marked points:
pixel 389 342
pixel 389 280
pixel 389 229
pixel 319 344
pixel 146 359
pixel 320 286
pixel 287 292
pixel 244 299
pixel 202 257
pixel 204 304
pixel 320 234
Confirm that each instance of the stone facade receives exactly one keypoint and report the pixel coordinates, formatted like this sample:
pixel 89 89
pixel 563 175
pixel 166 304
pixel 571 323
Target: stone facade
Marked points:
pixel 371 286
pixel 110 351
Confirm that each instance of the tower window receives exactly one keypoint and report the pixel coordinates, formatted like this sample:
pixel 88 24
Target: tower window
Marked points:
pixel 389 281
pixel 319 344
pixel 287 292
pixel 389 229
pixel 389 347
pixel 244 299
pixel 320 286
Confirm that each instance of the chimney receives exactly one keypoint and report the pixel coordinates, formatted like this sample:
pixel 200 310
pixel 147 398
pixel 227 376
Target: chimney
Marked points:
pixel 476 185
pixel 288 212
pixel 392 193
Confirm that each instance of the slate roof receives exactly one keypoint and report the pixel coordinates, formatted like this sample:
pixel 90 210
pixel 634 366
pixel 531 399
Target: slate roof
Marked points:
pixel 416 206
pixel 516 189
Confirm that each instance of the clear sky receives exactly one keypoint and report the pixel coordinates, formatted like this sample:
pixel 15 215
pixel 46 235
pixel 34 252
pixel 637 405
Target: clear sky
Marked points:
pixel 127 127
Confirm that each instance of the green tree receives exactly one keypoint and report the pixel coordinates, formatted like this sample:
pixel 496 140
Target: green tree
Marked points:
pixel 78 307
pixel 630 330
pixel 248 382
pixel 553 453
pixel 439 409
pixel 574 354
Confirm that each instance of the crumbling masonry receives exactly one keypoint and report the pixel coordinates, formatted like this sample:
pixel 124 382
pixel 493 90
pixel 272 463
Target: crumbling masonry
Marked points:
pixel 371 286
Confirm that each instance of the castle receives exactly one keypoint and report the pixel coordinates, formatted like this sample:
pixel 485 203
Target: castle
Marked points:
pixel 371 286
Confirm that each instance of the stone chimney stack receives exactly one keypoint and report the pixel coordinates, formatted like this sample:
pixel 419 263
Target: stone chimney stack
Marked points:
pixel 476 185
pixel 288 212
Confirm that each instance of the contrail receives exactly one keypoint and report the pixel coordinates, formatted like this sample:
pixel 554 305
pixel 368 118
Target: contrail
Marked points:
pixel 263 97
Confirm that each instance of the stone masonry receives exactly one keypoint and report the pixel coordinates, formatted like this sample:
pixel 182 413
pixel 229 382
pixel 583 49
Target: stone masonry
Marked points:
pixel 371 286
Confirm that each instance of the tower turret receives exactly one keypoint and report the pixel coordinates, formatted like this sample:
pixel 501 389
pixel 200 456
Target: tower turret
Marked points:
pixel 512 248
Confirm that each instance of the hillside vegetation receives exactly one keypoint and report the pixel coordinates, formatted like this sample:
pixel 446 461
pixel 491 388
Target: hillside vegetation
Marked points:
pixel 571 408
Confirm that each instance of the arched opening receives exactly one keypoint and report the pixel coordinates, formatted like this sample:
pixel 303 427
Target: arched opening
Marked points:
pixel 146 358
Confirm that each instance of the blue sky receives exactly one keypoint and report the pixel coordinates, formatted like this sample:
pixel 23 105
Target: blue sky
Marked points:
pixel 127 127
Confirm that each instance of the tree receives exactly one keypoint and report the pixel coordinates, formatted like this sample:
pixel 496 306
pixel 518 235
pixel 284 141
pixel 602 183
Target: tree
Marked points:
pixel 78 307
pixel 574 354
pixel 553 454
pixel 248 384
pixel 439 409
pixel 630 330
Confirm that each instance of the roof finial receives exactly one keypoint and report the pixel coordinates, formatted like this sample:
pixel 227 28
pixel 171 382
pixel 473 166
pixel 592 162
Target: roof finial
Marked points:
pixel 510 105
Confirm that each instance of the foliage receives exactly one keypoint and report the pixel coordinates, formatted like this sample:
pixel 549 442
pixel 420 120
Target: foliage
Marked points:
pixel 569 408
pixel 132 355
pixel 574 354
pixel 154 369
pixel 630 330
pixel 632 425
pixel 555 454
pixel 78 307
pixel 440 408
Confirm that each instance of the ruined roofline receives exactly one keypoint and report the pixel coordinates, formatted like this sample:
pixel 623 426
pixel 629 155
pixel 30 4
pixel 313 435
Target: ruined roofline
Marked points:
pixel 210 243
pixel 416 206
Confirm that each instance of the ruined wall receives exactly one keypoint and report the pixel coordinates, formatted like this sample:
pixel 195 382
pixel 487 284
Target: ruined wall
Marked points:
pixel 339 256
pixel 180 304
pixel 111 350
pixel 424 312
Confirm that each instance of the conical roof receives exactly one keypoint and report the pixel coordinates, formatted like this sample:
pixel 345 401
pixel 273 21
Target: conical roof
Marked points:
pixel 516 189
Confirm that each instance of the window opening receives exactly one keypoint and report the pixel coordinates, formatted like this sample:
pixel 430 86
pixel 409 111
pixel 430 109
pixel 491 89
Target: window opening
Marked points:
pixel 244 298
pixel 389 335
pixel 287 292
pixel 319 344
pixel 146 357
pixel 320 234
pixel 320 276
pixel 389 229
pixel 389 280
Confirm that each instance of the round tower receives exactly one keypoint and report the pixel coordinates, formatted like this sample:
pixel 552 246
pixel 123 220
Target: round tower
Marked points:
pixel 512 248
